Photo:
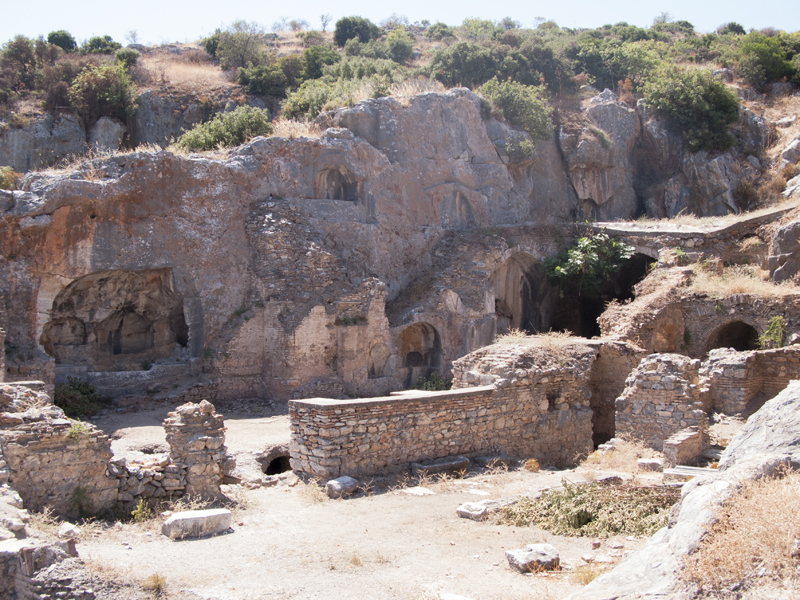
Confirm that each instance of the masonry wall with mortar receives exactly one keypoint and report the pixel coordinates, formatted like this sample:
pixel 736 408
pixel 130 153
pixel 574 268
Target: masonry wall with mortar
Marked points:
pixel 684 447
pixel 662 396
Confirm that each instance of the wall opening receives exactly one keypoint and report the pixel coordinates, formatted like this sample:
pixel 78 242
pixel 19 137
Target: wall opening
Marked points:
pixel 115 319
pixel 736 334
pixel 456 212
pixel 524 299
pixel 336 183
pixel 420 351
pixel 379 361
pixel 278 465
pixel 578 312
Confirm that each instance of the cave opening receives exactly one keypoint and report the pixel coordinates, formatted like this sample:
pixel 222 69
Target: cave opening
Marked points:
pixel 736 334
pixel 524 299
pixel 278 465
pixel 336 183
pixel 420 351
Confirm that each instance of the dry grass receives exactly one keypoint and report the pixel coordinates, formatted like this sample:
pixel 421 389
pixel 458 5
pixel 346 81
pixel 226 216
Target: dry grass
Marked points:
pixel 412 87
pixel 291 129
pixel 739 279
pixel 753 540
pixel 531 465
pixel 181 71
pixel 585 574
pixel 623 457
pixel 155 584
pixel 312 492
pixel 715 222
pixel 551 340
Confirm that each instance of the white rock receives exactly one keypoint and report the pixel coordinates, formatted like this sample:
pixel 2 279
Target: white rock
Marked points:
pixel 533 558
pixel 343 486
pixel 68 531
pixel 477 511
pixel 418 490
pixel 650 464
pixel 197 523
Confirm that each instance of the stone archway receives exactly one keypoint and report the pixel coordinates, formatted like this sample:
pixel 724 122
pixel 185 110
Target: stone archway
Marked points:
pixel 523 298
pixel 738 335
pixel 379 355
pixel 420 351
pixel 113 319
pixel 336 183
pixel 456 212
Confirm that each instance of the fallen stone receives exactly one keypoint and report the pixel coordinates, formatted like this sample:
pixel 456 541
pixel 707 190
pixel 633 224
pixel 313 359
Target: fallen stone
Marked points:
pixel 196 523
pixel 68 531
pixel 650 464
pixel 587 558
pixel 477 511
pixel 343 486
pixel 534 558
pixel 444 465
pixel 682 473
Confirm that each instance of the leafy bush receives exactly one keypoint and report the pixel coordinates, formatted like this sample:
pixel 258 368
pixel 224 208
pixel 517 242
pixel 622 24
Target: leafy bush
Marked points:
pixel 317 95
pixel 315 58
pixel 434 383
pixel 766 57
pixel 700 107
pixel 19 58
pixel 127 57
pixel 62 39
pixel 103 90
pixel 313 38
pixel 775 335
pixel 400 45
pixel 77 398
pixel 240 45
pixel 732 27
pixel 463 64
pixel 439 31
pixel 211 43
pixel 264 81
pixel 587 264
pixel 227 130
pixel 521 105
pixel 348 28
pixel 100 45
pixel 7 178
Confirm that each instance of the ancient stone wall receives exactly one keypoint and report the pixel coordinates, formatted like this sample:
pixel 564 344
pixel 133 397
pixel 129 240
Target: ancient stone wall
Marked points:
pixel 538 406
pixel 661 397
pixel 684 447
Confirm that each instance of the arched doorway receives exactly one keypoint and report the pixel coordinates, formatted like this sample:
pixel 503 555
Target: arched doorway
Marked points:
pixel 735 334
pixel 420 351
pixel 336 183
pixel 523 298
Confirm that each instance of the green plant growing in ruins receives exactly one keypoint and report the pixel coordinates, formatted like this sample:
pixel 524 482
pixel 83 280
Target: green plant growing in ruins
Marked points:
pixel 77 430
pixel 775 335
pixel 141 512
pixel 680 256
pixel 78 398
pixel 687 339
pixel 434 383
pixel 587 264
pixel 79 502
pixel 227 130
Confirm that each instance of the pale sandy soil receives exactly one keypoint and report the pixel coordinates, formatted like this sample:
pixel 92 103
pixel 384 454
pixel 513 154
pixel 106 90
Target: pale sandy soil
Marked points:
pixel 291 541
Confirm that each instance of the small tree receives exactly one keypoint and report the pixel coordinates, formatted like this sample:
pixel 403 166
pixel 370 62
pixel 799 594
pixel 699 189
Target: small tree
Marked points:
pixel 264 80
pixel 348 28
pixel 103 90
pixel 400 45
pixel 62 39
pixel 315 57
pixel 586 265
pixel 325 20
pixel 100 45
pixel 241 45
pixel 521 105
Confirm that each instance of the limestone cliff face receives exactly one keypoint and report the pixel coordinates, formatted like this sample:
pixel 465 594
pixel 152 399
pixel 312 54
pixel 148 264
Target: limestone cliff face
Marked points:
pixel 42 143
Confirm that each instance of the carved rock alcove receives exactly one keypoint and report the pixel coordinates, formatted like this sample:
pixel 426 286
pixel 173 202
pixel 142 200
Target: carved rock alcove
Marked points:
pixel 112 319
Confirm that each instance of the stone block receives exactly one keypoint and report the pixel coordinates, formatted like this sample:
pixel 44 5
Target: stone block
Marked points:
pixel 650 464
pixel 343 486
pixel 477 511
pixel 534 558
pixel 445 465
pixel 197 523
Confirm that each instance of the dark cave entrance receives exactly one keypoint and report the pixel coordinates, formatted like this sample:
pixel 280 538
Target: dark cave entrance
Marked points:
pixel 736 334
pixel 278 465
pixel 420 351
pixel 578 312
pixel 523 298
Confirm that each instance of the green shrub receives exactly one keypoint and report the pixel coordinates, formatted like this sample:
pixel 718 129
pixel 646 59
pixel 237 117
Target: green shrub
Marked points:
pixel 348 28
pixel 434 383
pixel 775 335
pixel 732 28
pixel 211 43
pixel 7 178
pixel 700 107
pixel 77 398
pixel 19 59
pixel 313 38
pixel 100 45
pixel 315 58
pixel 242 44
pixel 478 29
pixel 463 64
pixel 127 57
pixel 264 81
pixel 587 264
pixel 521 105
pixel 765 56
pixel 227 130
pixel 103 90
pixel 439 31
pixel 62 39
pixel 400 45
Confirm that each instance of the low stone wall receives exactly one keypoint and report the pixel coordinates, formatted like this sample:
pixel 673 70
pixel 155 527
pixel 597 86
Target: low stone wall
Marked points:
pixel 661 397
pixel 153 478
pixel 684 447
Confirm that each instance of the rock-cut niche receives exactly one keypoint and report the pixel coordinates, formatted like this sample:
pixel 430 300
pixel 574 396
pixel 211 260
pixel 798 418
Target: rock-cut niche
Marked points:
pixel 456 212
pixel 115 319
pixel 736 334
pixel 420 351
pixel 523 298
pixel 336 183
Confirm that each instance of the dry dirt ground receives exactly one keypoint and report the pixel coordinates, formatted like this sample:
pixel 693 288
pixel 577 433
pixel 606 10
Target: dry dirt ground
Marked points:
pixel 291 541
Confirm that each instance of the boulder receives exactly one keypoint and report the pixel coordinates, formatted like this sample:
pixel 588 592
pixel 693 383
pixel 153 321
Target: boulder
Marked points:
pixel 68 531
pixel 106 134
pixel 342 486
pixel 650 464
pixel 197 523
pixel 477 511
pixel 534 558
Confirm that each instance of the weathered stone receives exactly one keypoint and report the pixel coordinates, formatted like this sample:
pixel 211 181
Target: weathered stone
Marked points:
pixel 197 523
pixel 650 464
pixel 68 530
pixel 456 464
pixel 477 511
pixel 534 558
pixel 106 134
pixel 342 486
